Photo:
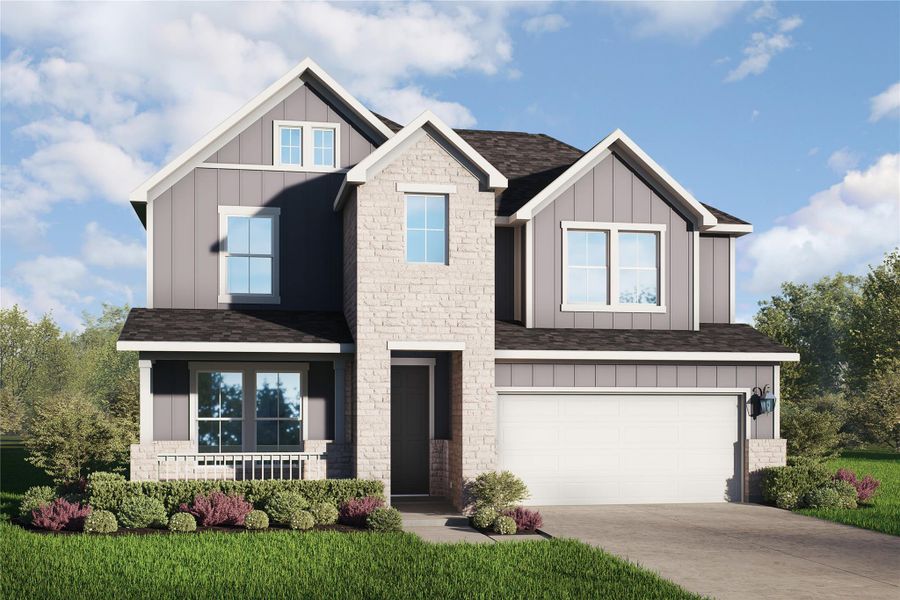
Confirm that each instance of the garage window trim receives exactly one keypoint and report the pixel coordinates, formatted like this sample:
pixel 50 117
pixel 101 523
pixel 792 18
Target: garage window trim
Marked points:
pixel 613 267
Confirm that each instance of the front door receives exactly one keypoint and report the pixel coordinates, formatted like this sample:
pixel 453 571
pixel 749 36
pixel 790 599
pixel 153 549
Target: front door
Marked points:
pixel 410 388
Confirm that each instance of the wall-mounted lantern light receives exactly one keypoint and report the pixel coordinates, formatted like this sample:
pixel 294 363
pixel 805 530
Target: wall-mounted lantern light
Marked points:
pixel 761 402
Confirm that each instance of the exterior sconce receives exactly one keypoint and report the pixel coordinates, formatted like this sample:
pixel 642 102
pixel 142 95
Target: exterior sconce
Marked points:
pixel 761 402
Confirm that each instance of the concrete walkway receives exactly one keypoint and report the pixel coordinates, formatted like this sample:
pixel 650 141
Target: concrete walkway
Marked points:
pixel 435 520
pixel 737 551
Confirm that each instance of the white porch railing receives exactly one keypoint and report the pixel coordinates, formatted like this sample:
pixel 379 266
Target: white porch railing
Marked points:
pixel 241 465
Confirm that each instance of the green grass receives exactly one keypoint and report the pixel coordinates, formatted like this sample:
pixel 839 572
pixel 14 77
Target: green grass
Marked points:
pixel 283 564
pixel 883 514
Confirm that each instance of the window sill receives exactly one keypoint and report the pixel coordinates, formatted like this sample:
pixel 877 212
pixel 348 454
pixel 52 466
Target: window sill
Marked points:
pixel 248 299
pixel 617 308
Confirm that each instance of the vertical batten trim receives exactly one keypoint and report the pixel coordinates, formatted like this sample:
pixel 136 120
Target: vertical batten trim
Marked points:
pixel 529 273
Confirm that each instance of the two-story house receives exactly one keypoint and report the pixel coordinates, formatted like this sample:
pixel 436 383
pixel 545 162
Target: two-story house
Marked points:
pixel 332 294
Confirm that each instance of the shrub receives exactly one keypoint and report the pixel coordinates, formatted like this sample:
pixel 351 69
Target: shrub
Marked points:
pixel 101 476
pixel 497 490
pixel 355 512
pixel 301 520
pixel 813 426
pixel 834 494
pixel 785 486
pixel 140 511
pixel 526 519
pixel 283 505
pixel 60 514
pixel 107 494
pixel 325 513
pixel 35 497
pixel 865 487
pixel 256 519
pixel 218 509
pixel 101 521
pixel 484 518
pixel 182 522
pixel 385 520
pixel 846 493
pixel 504 525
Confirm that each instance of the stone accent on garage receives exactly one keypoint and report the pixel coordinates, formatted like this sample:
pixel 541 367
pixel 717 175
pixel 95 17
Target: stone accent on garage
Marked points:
pixel 759 454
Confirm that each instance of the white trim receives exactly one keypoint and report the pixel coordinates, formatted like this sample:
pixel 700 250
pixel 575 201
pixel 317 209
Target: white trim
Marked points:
pixel 737 228
pixel 517 273
pixel 146 400
pixel 529 274
pixel 646 355
pixel 279 169
pixel 369 166
pixel 422 362
pixel 224 296
pixel 246 116
pixel 307 148
pixel 731 278
pixel 687 391
pixel 446 230
pixel 435 346
pixel 619 141
pixel 149 217
pixel 695 280
pixel 612 267
pixel 264 347
pixel 434 189
pixel 776 390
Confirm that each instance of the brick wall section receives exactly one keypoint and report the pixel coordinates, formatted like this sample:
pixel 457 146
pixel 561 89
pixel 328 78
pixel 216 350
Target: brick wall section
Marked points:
pixel 759 454
pixel 422 302
pixel 143 457
pixel 439 472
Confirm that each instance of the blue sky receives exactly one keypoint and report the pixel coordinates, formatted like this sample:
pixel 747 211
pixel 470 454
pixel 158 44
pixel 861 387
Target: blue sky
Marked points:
pixel 785 114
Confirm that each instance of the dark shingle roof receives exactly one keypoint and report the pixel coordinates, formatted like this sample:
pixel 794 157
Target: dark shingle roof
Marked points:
pixel 712 337
pixel 530 161
pixel 208 325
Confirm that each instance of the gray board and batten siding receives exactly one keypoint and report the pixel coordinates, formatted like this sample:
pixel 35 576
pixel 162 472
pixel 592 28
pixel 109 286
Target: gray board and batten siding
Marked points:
pixel 185 217
pixel 612 192
pixel 715 279
pixel 632 375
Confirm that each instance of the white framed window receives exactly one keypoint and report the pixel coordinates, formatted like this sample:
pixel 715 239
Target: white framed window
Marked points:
pixel 613 267
pixel 248 254
pixel 306 145
pixel 426 228
pixel 248 407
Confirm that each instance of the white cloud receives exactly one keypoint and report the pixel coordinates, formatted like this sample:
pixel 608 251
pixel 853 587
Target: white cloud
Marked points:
pixel 844 228
pixel 754 114
pixel 843 160
pixel 545 23
pixel 813 151
pixel 405 104
pixel 103 249
pixel 765 10
pixel 763 47
pixel 886 104
pixel 686 20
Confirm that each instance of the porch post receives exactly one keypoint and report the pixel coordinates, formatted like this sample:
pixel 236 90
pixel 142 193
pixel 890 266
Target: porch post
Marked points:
pixel 339 391
pixel 146 401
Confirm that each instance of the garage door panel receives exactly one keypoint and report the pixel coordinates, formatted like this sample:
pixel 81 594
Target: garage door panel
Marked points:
pixel 621 448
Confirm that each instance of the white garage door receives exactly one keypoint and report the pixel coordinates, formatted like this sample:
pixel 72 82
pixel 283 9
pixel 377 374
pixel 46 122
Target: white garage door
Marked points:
pixel 621 449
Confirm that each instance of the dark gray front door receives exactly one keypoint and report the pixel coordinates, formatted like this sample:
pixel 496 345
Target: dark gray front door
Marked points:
pixel 409 429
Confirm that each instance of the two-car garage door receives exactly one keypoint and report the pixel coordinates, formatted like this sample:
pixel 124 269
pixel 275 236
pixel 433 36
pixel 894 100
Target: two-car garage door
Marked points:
pixel 621 448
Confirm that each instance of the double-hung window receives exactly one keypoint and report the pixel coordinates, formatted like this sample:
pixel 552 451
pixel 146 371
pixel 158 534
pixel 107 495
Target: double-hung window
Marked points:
pixel 220 401
pixel 248 263
pixel 613 267
pixel 306 145
pixel 426 228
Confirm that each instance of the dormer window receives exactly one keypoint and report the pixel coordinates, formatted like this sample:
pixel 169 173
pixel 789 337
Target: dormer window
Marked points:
pixel 306 145
pixel 248 255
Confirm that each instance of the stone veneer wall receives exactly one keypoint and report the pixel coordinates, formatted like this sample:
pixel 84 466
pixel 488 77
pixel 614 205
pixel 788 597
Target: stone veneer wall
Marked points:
pixel 439 472
pixel 396 301
pixel 759 454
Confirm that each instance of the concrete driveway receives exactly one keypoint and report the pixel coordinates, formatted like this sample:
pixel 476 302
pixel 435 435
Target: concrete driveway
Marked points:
pixel 739 550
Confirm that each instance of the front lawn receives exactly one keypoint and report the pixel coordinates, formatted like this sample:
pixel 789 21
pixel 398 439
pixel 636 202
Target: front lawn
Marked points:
pixel 883 514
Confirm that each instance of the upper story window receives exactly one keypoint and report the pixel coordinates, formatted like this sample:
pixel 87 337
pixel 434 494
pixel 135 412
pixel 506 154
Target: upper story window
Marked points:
pixel 248 254
pixel 426 228
pixel 306 145
pixel 613 267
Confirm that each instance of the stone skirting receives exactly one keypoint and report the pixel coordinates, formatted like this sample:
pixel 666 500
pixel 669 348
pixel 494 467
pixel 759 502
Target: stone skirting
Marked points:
pixel 439 472
pixel 759 454
pixel 144 457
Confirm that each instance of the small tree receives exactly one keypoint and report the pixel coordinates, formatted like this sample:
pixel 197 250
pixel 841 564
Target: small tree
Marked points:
pixel 874 416
pixel 69 436
pixel 812 427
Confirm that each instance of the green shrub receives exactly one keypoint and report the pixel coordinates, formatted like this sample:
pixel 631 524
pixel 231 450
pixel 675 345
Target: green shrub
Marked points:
pixel 834 494
pixel 324 513
pixel 99 476
pixel 141 511
pixel 281 506
pixel 505 525
pixel 813 426
pixel 484 518
pixel 385 520
pixel 182 522
pixel 786 486
pixel 109 494
pixel 256 519
pixel 35 497
pixel 497 490
pixel 302 520
pixel 101 521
